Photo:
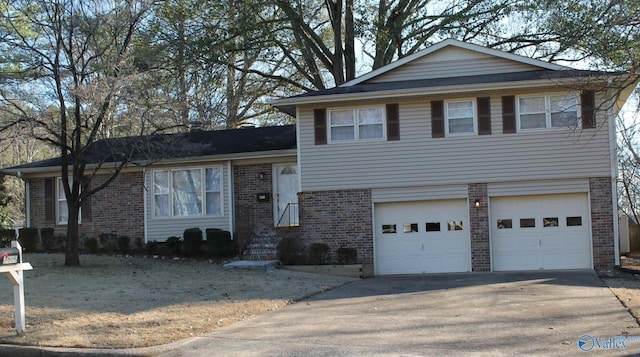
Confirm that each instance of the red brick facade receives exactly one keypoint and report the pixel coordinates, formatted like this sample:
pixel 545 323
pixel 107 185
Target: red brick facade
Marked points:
pixel 479 219
pixel 341 219
pixel 601 200
pixel 117 209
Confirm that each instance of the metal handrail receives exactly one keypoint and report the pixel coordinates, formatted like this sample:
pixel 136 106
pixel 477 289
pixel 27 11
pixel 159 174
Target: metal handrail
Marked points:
pixel 291 214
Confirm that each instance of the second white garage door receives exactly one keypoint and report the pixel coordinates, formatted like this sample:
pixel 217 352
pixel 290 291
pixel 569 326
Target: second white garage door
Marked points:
pixel 422 237
pixel 540 232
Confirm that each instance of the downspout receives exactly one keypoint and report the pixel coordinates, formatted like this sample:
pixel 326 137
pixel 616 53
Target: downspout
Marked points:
pixel 231 197
pixel 27 200
pixel 144 202
pixel 614 189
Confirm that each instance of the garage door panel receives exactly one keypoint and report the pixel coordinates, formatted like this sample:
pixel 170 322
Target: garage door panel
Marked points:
pixel 553 242
pixel 433 248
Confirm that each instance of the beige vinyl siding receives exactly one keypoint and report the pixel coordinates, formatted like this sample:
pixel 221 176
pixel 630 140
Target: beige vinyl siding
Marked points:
pixel 162 228
pixel 537 187
pixel 452 62
pixel 419 193
pixel 417 160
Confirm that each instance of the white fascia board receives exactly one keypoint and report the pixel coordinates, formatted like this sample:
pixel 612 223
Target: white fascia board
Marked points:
pixel 139 165
pixel 451 42
pixel 403 93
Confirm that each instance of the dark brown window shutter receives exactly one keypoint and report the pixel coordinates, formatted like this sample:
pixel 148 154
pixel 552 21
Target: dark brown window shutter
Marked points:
pixel 50 200
pixel 393 122
pixel 508 114
pixel 484 116
pixel 437 119
pixel 320 125
pixel 588 103
pixel 85 210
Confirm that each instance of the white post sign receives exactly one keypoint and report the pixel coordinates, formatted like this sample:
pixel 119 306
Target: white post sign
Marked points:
pixel 15 273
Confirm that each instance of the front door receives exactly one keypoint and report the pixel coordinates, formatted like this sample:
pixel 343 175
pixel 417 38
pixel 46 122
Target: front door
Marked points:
pixel 286 195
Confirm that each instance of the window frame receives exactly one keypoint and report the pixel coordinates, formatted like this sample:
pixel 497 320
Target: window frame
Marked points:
pixel 474 108
pixel 59 200
pixel 547 111
pixel 203 192
pixel 356 124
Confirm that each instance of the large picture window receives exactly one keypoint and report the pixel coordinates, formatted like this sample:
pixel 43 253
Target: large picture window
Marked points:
pixel 356 124
pixel 548 111
pixel 187 192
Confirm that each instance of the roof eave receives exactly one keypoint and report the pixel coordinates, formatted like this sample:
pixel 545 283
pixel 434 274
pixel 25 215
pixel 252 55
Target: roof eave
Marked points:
pixel 20 172
pixel 412 92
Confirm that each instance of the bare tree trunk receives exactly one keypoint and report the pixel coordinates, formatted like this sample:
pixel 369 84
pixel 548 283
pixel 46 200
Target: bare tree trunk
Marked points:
pixel 349 42
pixel 72 254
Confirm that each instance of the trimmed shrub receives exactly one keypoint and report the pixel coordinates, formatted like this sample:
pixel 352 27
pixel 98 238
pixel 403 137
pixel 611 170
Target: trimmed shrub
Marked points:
pixel 140 246
pixel 347 255
pixel 123 244
pixel 151 247
pixel 6 236
pixel 220 243
pixel 47 235
pixel 91 245
pixel 290 251
pixel 28 238
pixel 108 241
pixel 174 244
pixel 192 242
pixel 319 253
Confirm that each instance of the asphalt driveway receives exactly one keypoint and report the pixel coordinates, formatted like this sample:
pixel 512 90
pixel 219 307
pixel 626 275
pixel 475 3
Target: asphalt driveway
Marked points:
pixel 546 313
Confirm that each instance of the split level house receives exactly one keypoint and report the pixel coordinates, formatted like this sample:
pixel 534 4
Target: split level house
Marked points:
pixel 458 158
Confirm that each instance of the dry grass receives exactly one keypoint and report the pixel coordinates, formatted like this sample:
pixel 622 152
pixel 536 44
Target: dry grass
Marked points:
pixel 118 302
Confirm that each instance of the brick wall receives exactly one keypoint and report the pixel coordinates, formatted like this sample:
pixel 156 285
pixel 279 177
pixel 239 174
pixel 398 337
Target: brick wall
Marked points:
pixel 479 217
pixel 341 219
pixel 253 218
pixel 117 209
pixel 602 222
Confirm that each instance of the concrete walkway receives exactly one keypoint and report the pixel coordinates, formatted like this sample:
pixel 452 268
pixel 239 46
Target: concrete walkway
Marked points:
pixel 480 314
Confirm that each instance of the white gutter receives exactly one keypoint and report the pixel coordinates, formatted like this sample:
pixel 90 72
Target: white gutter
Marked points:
pixel 192 159
pixel 298 159
pixel 421 91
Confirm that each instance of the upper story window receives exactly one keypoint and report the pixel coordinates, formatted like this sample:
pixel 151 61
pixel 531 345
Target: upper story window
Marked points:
pixel 547 111
pixel 460 117
pixel 356 124
pixel 187 192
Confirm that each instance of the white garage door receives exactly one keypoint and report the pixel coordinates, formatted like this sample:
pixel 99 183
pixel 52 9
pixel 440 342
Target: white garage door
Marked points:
pixel 422 237
pixel 540 232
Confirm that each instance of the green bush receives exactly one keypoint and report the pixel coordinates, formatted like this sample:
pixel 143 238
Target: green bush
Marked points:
pixel 108 241
pixel 151 247
pixel 28 238
pixel 319 253
pixel 123 244
pixel 47 235
pixel 192 241
pixel 140 246
pixel 347 255
pixel 91 245
pixel 290 251
pixel 175 245
pixel 60 242
pixel 220 243
pixel 6 236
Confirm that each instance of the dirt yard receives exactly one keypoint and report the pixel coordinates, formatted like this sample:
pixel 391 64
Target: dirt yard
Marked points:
pixel 122 302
